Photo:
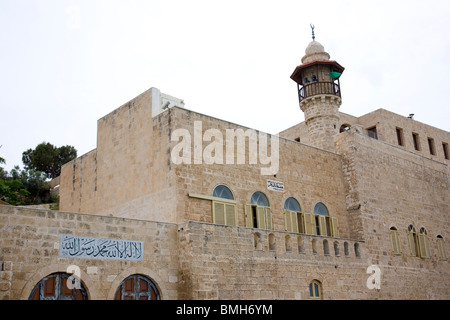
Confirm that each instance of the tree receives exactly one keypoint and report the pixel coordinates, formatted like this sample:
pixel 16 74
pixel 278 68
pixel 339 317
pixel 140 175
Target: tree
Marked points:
pixel 13 192
pixel 48 159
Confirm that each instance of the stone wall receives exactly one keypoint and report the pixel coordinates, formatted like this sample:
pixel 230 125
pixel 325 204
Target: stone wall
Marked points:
pixel 221 262
pixel 29 251
pixel 309 174
pixel 386 187
pixel 128 174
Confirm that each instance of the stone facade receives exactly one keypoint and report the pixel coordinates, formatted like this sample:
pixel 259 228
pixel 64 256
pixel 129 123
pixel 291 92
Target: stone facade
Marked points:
pixel 153 177
pixel 30 251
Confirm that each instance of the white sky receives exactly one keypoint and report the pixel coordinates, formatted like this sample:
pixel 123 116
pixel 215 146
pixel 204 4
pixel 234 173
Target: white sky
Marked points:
pixel 65 63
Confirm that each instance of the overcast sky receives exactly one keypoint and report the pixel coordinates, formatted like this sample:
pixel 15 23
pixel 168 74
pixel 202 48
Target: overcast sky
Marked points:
pixel 65 63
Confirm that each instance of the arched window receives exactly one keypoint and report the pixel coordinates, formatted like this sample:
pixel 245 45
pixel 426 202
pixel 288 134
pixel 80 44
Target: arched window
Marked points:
pixel 137 287
pixel 413 241
pixel 441 247
pixel 292 205
pixel 346 250
pixel 357 253
pixel 224 206
pixel 326 248
pixel 257 213
pixel 59 286
pixel 395 243
pixel 257 244
pixel 259 199
pixel 301 246
pixel 315 290
pixel 324 225
pixel 320 209
pixel 293 216
pixel 344 127
pixel 424 247
pixel 223 192
pixel 336 249
pixel 272 242
pixel 287 240
pixel 314 246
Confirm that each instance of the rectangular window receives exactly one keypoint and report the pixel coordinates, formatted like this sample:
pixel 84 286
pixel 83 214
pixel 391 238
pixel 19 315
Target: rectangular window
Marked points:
pixel 415 137
pixel 399 132
pixel 445 148
pixel 431 146
pixel 372 132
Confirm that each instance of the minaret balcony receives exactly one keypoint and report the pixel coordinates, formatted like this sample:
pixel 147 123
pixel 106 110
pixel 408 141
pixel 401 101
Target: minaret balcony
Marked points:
pixel 318 88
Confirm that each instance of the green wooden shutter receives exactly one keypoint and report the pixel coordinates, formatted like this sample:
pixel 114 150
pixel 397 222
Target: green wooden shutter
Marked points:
pixel 322 225
pixel 268 217
pixel 423 246
pixel 310 223
pixel 395 242
pixel 301 223
pixel 261 217
pixel 248 216
pixel 412 244
pixel 287 221
pixel 230 215
pixel 334 227
pixel 294 222
pixel 441 249
pixel 218 212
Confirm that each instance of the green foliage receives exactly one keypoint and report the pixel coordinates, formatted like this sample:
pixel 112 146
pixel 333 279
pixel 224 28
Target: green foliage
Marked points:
pixel 13 192
pixel 48 158
pixel 30 186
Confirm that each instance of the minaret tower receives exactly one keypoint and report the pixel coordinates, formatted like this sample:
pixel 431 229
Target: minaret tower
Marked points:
pixel 319 94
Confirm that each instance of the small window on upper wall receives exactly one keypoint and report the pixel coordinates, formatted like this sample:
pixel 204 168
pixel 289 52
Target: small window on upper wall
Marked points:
pixel 344 127
pixel 441 248
pixel 395 242
pixel 424 247
pixel 399 132
pixel 416 142
pixel 445 149
pixel 372 132
pixel 431 146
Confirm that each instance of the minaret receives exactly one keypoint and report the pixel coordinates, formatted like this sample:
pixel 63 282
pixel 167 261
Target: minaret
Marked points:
pixel 319 94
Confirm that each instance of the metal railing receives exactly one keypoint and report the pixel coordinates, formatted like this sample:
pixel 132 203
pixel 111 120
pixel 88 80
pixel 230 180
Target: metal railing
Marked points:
pixel 316 88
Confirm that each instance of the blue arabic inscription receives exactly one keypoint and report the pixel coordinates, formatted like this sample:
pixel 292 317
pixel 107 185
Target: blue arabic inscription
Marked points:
pixel 97 248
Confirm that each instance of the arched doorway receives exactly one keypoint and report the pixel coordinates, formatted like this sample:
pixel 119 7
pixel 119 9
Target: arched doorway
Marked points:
pixel 137 287
pixel 58 286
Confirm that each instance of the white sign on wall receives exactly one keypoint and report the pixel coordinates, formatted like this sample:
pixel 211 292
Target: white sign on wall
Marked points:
pixel 275 185
pixel 97 248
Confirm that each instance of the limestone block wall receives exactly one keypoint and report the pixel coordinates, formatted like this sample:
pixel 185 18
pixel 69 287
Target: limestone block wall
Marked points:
pixel 387 122
pixel 29 251
pixel 310 175
pixel 386 187
pixel 221 262
pixel 322 119
pixel 128 174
